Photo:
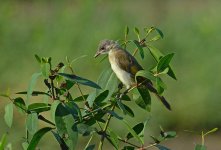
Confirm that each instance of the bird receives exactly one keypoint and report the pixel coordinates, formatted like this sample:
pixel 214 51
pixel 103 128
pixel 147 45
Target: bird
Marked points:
pixel 125 66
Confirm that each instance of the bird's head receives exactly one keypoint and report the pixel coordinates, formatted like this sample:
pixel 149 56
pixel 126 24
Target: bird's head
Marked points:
pixel 105 47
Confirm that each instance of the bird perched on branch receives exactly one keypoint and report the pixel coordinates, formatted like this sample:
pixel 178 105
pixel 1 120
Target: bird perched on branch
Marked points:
pixel 125 66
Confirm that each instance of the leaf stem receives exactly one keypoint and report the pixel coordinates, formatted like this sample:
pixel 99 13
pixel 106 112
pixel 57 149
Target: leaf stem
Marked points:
pixel 42 118
pixel 105 128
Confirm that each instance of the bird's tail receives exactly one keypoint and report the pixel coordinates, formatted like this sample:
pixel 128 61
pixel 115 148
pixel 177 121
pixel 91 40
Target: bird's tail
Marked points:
pixel 161 98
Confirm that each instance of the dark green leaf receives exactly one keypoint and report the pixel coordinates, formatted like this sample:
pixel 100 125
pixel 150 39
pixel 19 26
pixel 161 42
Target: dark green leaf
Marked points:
pixel 101 97
pixel 128 148
pixel 139 48
pixel 61 142
pixel 9 114
pixel 37 136
pixel 137 128
pixel 80 80
pixel 200 147
pixel 20 104
pixel 34 93
pixel 80 98
pixel 144 101
pixel 114 114
pixel 66 126
pixel 133 133
pixel 69 84
pixel 164 62
pixel 157 55
pixel 84 129
pixel 37 58
pixel 73 108
pixel 128 111
pixel 125 98
pixel 32 85
pixel 32 123
pixel 38 107
pixel 159 32
pixel 126 31
pixel 171 73
pixel 160 147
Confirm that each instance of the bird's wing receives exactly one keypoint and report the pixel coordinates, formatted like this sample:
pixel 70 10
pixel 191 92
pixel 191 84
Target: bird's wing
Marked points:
pixel 127 62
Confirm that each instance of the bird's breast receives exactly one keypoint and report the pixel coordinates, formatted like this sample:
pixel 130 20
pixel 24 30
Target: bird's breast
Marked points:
pixel 122 75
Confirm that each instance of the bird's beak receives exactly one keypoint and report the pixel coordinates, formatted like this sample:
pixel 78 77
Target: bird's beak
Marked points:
pixel 97 54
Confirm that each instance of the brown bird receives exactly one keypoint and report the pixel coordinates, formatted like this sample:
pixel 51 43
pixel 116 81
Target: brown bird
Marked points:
pixel 126 66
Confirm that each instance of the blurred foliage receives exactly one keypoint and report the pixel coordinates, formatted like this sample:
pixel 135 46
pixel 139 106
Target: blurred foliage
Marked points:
pixel 56 28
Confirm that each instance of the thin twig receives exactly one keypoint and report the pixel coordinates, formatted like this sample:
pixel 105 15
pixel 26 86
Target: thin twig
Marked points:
pixel 124 141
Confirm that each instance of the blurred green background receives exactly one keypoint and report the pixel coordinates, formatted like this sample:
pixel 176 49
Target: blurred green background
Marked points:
pixel 58 29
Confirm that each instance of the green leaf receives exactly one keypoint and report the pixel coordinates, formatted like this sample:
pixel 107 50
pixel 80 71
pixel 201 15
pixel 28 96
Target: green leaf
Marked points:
pixel 137 128
pixel 161 86
pixel 60 140
pixel 108 81
pixel 80 80
pixel 159 32
pixel 136 31
pixel 81 98
pixel 211 131
pixel 34 93
pixel 66 126
pixel 139 48
pixel 133 133
pixel 53 109
pixel 157 55
pixel 25 145
pixel 144 101
pixel 113 113
pixel 45 68
pixel 73 108
pixel 126 109
pixel 31 86
pixel 126 31
pixel 164 62
pixel 113 139
pixel 9 114
pixel 3 141
pixel 200 147
pixel 37 58
pixel 20 104
pixel 101 97
pixel 169 134
pixel 38 107
pixel 90 99
pixel 32 123
pixel 84 129
pixel 145 74
pixel 155 38
pixel 128 148
pixel 37 136
pixel 160 147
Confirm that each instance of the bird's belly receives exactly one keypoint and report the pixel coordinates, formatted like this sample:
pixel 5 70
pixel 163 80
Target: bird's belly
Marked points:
pixel 122 75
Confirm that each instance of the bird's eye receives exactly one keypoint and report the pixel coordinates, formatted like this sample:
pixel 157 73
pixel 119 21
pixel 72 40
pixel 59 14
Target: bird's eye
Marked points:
pixel 102 48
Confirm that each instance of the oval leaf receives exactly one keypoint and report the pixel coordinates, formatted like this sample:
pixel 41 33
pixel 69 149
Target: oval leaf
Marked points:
pixel 37 136
pixel 38 107
pixel 32 122
pixel 80 80
pixel 164 62
pixel 9 114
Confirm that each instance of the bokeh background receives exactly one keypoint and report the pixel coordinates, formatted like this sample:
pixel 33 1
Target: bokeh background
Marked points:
pixel 192 30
